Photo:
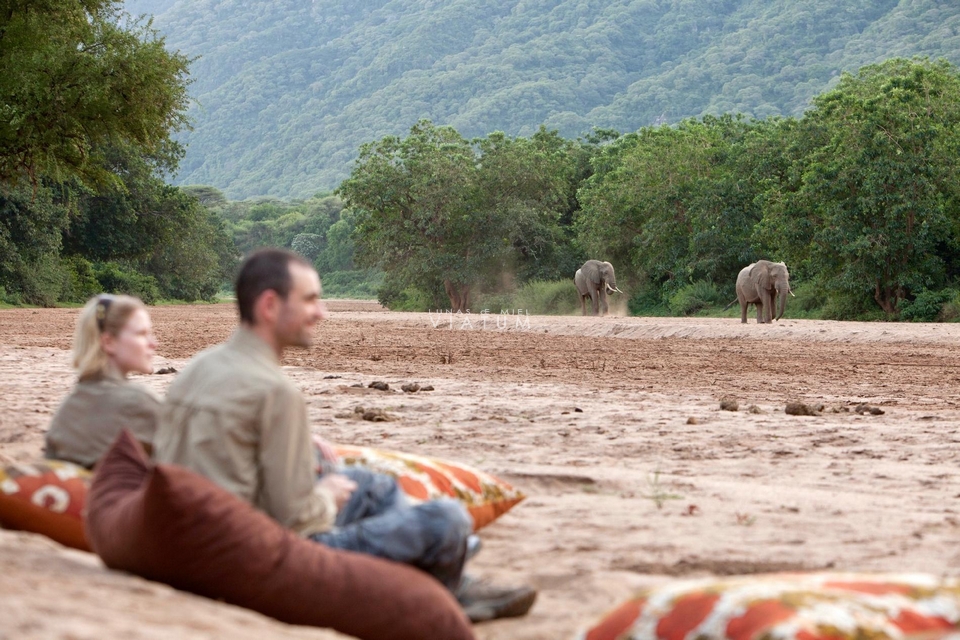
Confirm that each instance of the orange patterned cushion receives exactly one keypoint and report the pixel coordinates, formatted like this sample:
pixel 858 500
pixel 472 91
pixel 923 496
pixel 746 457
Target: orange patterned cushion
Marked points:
pixel 485 496
pixel 48 497
pixel 45 497
pixel 812 606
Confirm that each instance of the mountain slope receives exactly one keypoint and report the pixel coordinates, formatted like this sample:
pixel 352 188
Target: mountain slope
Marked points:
pixel 287 90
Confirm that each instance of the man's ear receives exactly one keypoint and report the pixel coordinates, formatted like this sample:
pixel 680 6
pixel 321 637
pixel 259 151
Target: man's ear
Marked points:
pixel 267 308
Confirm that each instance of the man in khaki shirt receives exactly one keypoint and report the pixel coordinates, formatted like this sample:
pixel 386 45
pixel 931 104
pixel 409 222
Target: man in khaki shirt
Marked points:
pixel 233 416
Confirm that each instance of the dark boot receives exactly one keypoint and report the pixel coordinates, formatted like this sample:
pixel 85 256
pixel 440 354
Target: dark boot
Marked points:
pixel 482 601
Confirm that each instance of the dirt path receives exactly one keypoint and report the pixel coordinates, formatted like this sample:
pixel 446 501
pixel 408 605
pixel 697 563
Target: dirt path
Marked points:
pixel 613 428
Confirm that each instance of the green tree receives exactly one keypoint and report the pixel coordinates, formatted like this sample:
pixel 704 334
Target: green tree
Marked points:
pixel 338 249
pixel 210 197
pixel 143 224
pixel 31 221
pixel 78 75
pixel 875 213
pixel 89 98
pixel 195 261
pixel 671 203
pixel 526 183
pixel 434 210
pixel 127 219
pixel 417 216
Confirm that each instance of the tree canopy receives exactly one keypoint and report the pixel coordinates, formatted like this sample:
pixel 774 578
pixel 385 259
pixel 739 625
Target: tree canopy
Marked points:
pixel 875 209
pixel 78 76
pixel 441 213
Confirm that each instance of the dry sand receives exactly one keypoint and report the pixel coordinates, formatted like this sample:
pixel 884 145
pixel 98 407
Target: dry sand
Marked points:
pixel 613 428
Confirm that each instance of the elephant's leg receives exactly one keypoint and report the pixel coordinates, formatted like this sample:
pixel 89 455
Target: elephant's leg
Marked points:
pixel 594 301
pixel 583 305
pixel 603 302
pixel 760 315
pixel 743 310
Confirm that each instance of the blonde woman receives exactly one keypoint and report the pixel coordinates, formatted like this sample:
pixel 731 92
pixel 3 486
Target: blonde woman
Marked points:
pixel 114 338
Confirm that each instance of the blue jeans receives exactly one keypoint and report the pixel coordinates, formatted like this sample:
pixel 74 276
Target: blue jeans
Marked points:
pixel 378 521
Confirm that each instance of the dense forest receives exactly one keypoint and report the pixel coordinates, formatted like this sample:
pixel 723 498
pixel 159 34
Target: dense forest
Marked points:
pixel 285 91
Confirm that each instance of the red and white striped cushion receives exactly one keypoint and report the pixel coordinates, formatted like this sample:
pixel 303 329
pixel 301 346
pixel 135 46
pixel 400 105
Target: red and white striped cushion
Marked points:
pixel 809 606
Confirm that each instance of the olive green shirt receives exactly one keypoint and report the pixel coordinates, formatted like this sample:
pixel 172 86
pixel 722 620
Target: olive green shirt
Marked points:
pixel 234 417
pixel 93 414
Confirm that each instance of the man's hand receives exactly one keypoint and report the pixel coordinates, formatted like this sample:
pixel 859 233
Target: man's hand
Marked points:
pixel 339 486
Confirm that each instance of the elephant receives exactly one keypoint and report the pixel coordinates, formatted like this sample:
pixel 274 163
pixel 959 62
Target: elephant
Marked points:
pixel 759 283
pixel 594 280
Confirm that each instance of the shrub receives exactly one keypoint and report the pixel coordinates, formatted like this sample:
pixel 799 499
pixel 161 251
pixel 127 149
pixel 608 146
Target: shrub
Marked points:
pixel 115 278
pixel 9 299
pixel 927 306
pixel 548 297
pixel 358 283
pixel 81 281
pixel 494 302
pixel 409 299
pixel 398 297
pixel 845 305
pixel 951 310
pixel 648 302
pixel 42 281
pixel 809 297
pixel 691 298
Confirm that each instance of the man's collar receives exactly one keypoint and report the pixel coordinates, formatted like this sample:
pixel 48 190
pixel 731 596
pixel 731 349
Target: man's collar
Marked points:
pixel 247 340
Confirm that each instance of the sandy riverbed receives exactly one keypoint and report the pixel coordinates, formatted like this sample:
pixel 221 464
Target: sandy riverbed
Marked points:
pixel 649 480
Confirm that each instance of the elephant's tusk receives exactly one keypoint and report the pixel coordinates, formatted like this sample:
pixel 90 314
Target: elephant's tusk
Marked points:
pixel 793 294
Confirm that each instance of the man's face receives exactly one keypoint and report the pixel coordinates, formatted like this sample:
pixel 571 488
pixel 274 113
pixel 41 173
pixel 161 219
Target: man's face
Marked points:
pixel 302 309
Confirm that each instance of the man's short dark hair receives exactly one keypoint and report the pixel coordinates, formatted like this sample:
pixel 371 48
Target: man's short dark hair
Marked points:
pixel 264 270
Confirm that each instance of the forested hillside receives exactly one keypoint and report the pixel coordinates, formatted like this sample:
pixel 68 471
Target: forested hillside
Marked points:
pixel 286 91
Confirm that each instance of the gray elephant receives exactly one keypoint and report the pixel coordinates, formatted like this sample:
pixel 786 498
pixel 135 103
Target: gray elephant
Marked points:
pixel 759 283
pixel 594 280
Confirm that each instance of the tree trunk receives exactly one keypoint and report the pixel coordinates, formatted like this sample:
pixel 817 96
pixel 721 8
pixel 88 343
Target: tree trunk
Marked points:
pixel 459 296
pixel 887 298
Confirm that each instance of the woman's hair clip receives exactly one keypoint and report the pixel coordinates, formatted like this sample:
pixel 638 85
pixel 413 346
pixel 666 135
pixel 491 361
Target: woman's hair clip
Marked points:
pixel 103 306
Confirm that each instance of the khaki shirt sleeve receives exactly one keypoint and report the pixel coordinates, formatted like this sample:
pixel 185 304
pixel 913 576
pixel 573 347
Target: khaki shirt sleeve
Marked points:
pixel 288 490
pixel 140 414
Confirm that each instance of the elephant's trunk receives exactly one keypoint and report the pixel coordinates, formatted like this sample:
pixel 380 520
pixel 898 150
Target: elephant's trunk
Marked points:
pixel 782 298
pixel 612 289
